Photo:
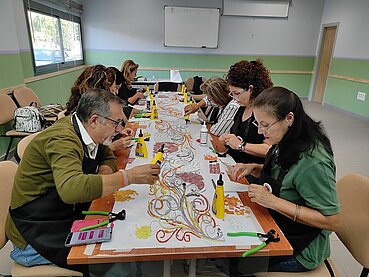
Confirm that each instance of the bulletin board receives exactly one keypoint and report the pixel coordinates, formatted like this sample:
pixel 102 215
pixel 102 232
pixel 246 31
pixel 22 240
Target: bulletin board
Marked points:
pixel 191 27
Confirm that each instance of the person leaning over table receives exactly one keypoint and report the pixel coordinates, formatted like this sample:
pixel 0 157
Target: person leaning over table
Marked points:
pixel 100 77
pixel 246 80
pixel 217 94
pixel 301 172
pixel 64 168
pixel 127 92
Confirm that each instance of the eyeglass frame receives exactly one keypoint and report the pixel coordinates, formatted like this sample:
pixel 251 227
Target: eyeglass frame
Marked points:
pixel 238 95
pixel 262 128
pixel 116 122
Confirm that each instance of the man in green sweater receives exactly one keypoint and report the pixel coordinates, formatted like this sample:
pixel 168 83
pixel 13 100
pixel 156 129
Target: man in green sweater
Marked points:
pixel 64 168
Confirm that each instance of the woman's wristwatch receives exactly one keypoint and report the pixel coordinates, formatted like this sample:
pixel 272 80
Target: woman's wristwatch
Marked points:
pixel 241 146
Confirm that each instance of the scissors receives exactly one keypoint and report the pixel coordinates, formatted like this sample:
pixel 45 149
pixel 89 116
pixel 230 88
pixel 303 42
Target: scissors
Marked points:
pixel 265 238
pixel 111 217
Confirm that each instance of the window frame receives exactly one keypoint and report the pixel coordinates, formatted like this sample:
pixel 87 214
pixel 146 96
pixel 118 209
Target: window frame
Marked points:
pixel 33 6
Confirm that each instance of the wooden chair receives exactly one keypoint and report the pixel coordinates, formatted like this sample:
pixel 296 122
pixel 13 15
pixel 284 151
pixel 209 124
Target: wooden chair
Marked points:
pixel 25 96
pixel 7 108
pixel 21 146
pixel 167 86
pixel 353 230
pixel 7 171
pixel 196 93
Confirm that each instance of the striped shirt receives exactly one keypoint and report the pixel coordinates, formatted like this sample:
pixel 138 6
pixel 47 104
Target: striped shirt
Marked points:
pixel 225 119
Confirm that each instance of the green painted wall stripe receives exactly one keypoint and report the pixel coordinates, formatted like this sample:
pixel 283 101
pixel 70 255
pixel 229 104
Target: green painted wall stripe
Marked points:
pixel 11 72
pixel 340 93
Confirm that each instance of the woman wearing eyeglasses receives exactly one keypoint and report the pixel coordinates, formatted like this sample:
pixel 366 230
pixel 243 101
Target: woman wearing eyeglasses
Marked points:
pixel 300 171
pixel 246 80
pixel 217 95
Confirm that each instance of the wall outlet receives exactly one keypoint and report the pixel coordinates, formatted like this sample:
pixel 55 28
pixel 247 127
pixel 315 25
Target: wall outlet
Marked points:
pixel 361 95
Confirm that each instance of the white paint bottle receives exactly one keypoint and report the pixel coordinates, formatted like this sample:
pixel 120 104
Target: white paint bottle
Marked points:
pixel 204 135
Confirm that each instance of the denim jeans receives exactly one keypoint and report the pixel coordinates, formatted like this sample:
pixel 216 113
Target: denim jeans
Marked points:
pixel 27 257
pixel 289 264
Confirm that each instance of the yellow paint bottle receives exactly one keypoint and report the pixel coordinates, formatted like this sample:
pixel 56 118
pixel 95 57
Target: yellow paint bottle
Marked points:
pixel 158 158
pixel 185 97
pixel 218 200
pixel 147 89
pixel 187 117
pixel 154 111
pixel 141 149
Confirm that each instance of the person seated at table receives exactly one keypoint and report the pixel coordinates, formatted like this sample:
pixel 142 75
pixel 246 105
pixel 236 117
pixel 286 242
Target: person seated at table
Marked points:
pixel 301 172
pixel 93 77
pixel 126 91
pixel 118 81
pixel 64 168
pixel 217 94
pixel 246 80
pixel 100 77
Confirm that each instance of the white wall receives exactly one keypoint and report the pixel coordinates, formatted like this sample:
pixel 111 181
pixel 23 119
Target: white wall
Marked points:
pixel 352 39
pixel 8 33
pixel 139 26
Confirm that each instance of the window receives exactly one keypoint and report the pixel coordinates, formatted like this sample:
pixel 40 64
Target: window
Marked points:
pixel 56 38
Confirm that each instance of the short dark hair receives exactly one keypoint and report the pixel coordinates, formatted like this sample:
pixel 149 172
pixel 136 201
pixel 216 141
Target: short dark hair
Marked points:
pixel 96 101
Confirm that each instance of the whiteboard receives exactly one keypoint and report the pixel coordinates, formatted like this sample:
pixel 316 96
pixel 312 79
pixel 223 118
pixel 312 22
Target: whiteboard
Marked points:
pixel 191 27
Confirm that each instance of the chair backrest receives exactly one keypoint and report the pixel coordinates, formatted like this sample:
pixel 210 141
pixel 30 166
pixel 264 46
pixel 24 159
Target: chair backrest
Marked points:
pixel 7 108
pixel 353 230
pixel 22 144
pixel 7 172
pixel 167 86
pixel 193 84
pixel 25 96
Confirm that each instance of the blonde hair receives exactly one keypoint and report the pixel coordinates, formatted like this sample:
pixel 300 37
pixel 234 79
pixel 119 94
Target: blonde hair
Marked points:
pixel 217 89
pixel 127 68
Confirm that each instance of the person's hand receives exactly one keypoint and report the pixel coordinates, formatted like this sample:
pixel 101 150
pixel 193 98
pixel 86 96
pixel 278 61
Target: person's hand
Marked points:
pixel 238 171
pixel 261 195
pixel 139 95
pixel 223 137
pixel 122 143
pixel 127 132
pixel 143 174
pixel 191 108
pixel 231 140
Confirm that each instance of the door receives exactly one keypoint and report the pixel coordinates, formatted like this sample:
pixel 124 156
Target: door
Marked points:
pixel 324 62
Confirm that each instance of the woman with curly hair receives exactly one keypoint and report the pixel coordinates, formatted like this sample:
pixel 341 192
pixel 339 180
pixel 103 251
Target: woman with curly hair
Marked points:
pixel 93 77
pixel 246 80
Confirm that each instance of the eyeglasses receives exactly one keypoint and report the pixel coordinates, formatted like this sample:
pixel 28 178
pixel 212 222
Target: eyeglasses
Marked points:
pixel 264 128
pixel 236 94
pixel 116 122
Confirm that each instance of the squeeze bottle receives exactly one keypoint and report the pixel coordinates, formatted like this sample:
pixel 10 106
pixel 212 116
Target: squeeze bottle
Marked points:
pixel 158 158
pixel 203 134
pixel 218 200
pixel 141 149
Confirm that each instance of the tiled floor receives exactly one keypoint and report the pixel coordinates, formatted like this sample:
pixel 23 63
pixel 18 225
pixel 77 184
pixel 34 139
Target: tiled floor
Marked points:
pixel 350 141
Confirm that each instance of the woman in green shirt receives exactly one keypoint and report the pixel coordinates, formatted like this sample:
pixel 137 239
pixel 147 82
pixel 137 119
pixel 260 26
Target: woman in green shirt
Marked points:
pixel 300 172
